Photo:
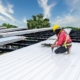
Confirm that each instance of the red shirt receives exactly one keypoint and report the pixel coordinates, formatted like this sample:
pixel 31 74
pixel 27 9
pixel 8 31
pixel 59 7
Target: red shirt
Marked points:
pixel 62 37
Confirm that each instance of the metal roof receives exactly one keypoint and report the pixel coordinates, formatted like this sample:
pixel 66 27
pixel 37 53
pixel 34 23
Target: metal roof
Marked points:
pixel 36 62
pixel 11 29
pixel 23 32
pixel 68 30
pixel 11 39
pixel 2 27
pixel 40 63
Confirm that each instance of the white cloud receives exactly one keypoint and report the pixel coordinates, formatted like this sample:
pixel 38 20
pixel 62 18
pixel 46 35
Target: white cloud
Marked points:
pixel 73 4
pixel 47 8
pixel 24 20
pixel 64 20
pixel 16 23
pixel 5 10
pixel 6 16
pixel 10 10
pixel 69 19
pixel 2 18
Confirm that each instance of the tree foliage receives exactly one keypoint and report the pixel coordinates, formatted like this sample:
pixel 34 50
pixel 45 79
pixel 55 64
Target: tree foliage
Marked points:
pixel 38 22
pixel 9 25
pixel 73 28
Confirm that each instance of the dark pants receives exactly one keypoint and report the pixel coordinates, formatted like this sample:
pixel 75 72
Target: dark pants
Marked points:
pixel 61 49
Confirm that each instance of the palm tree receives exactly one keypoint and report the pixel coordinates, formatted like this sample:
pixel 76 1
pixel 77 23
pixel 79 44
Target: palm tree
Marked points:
pixel 34 17
pixel 40 16
pixel 38 22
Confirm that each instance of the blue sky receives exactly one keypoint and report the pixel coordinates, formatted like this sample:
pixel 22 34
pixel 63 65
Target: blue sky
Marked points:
pixel 62 12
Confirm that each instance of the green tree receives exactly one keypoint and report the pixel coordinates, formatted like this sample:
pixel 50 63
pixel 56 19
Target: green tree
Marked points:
pixel 4 24
pixel 9 25
pixel 34 17
pixel 38 22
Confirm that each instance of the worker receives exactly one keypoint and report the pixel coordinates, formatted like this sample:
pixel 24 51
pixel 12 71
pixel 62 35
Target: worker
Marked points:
pixel 63 41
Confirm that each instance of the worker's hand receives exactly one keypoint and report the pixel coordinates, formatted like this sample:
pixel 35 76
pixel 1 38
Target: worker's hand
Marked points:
pixel 53 45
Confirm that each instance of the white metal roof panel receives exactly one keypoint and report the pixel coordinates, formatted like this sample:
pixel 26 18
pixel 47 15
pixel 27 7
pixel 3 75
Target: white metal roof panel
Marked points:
pixel 2 27
pixel 11 29
pixel 23 32
pixel 12 39
pixel 52 37
pixel 40 63
pixel 68 30
pixel 48 42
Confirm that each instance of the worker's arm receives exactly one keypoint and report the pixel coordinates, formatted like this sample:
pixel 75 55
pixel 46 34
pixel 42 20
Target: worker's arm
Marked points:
pixel 54 44
pixel 59 41
pixel 55 41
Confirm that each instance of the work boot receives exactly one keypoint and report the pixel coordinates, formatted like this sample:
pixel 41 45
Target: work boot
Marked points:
pixel 68 52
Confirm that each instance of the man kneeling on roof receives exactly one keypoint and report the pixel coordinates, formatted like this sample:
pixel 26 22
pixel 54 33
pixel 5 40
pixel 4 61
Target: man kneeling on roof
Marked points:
pixel 63 40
